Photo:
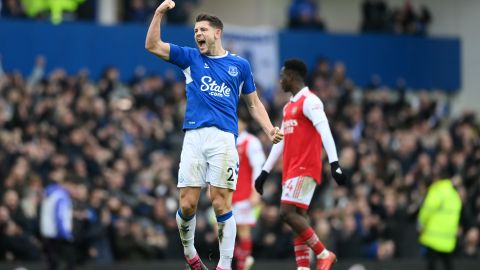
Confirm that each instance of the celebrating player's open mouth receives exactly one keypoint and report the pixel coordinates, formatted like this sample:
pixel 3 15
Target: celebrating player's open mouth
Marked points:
pixel 202 45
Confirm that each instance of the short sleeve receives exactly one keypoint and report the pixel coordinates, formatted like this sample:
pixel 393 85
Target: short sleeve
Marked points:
pixel 248 81
pixel 181 56
pixel 313 109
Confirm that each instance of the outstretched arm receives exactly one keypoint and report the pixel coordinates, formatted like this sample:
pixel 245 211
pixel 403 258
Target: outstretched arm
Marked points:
pixel 154 42
pixel 275 153
pixel 258 112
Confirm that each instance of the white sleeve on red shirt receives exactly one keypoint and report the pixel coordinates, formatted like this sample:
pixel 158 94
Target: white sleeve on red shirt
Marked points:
pixel 327 140
pixel 275 153
pixel 256 156
pixel 313 110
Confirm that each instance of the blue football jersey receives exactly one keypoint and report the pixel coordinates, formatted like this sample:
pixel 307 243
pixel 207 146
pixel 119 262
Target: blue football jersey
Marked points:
pixel 213 87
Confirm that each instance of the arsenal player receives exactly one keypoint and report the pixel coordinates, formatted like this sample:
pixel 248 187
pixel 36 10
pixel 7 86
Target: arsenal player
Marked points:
pixel 305 127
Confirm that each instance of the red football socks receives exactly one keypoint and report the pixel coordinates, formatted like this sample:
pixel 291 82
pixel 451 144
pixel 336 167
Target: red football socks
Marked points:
pixel 311 239
pixel 302 253
pixel 243 249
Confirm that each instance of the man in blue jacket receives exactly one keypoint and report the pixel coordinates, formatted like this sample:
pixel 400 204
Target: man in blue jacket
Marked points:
pixel 56 224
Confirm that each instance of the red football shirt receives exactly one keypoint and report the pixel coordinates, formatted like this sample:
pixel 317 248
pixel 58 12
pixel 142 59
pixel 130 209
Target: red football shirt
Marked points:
pixel 302 152
pixel 251 158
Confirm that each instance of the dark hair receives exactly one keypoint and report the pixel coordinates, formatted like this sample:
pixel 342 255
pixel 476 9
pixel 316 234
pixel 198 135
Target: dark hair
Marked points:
pixel 213 20
pixel 297 66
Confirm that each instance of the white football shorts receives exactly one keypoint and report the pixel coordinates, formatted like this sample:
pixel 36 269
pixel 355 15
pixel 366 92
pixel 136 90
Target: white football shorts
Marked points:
pixel 298 191
pixel 243 213
pixel 209 155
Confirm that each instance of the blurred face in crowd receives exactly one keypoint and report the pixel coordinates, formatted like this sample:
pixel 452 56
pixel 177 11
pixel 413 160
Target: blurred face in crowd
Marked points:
pixel 11 199
pixel 97 197
pixel 80 192
pixel 207 37
pixel 4 214
pixel 159 209
pixel 472 237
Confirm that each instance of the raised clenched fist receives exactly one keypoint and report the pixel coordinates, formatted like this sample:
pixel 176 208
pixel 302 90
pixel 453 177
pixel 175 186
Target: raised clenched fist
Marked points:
pixel 165 5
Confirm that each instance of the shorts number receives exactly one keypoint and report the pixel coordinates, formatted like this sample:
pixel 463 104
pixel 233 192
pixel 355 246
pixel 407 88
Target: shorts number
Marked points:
pixel 231 172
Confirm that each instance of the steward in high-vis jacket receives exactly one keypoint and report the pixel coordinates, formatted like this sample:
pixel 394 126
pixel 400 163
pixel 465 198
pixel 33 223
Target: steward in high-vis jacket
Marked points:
pixel 439 219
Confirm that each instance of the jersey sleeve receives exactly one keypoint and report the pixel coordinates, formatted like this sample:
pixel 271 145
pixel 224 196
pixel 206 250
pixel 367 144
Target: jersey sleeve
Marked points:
pixel 275 153
pixel 248 81
pixel 323 128
pixel 181 56
pixel 313 110
pixel 256 156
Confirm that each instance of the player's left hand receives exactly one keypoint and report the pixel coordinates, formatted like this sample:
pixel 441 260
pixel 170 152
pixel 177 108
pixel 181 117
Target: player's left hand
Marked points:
pixel 338 174
pixel 275 135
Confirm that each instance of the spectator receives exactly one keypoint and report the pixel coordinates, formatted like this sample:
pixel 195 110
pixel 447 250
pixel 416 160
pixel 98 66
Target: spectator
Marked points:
pixel 99 228
pixel 11 201
pixel 350 243
pixel 137 11
pixel 86 10
pixel 56 222
pixel 15 244
pixel 11 8
pixel 378 17
pixel 56 9
pixel 470 244
pixel 181 13
pixel 271 238
pixel 304 14
pixel 374 16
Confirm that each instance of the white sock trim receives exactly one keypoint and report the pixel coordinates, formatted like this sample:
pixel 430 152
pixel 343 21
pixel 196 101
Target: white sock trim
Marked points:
pixel 324 254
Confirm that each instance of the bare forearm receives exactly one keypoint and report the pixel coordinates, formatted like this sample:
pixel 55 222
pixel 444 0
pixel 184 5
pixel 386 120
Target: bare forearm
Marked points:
pixel 258 112
pixel 153 34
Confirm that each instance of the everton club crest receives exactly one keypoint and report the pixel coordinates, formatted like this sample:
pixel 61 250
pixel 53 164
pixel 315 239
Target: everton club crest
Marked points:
pixel 233 71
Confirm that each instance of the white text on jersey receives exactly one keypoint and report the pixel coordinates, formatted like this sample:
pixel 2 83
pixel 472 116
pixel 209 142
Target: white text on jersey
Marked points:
pixel 288 126
pixel 209 84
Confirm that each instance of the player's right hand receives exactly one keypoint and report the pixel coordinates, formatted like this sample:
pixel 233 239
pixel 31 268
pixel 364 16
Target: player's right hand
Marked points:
pixel 276 135
pixel 260 181
pixel 165 5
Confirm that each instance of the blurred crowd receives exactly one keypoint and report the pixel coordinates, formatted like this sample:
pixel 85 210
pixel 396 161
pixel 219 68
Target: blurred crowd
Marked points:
pixel 377 16
pixel 140 11
pixel 136 11
pixel 118 143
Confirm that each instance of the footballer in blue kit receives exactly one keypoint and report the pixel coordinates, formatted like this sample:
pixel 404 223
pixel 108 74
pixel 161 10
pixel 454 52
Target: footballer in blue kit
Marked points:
pixel 220 79
pixel 215 79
